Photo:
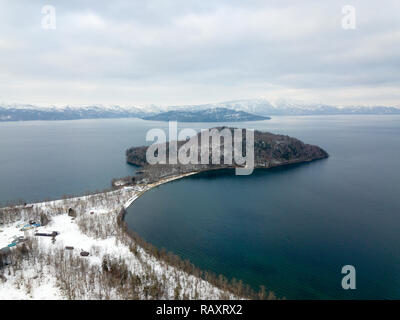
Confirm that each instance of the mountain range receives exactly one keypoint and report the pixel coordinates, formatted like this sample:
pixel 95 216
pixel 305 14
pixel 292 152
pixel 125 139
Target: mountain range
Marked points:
pixel 206 115
pixel 244 109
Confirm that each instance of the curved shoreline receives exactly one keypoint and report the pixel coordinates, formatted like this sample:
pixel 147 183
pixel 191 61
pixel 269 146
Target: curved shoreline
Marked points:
pixel 133 233
pixel 155 184
pixel 97 228
pixel 173 178
pixel 115 202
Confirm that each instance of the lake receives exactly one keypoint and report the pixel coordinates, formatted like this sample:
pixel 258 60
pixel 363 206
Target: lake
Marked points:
pixel 293 229
pixel 290 229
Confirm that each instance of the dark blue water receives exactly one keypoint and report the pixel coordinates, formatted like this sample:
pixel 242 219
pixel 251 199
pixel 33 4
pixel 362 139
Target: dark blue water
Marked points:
pixel 292 229
pixel 46 159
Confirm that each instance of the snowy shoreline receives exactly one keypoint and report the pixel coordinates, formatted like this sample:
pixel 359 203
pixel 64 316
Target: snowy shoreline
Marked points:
pixel 156 184
pixel 93 230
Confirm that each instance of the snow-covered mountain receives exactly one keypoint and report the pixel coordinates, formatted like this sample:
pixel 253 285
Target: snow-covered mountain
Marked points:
pixel 266 107
pixel 29 112
pixel 206 115
pixel 261 107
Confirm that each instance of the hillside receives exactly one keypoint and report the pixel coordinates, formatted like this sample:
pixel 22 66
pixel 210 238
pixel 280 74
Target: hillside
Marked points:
pixel 29 113
pixel 290 107
pixel 208 115
pixel 270 150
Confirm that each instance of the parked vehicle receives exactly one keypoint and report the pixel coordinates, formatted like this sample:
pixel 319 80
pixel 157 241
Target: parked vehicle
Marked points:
pixel 84 253
pixel 30 226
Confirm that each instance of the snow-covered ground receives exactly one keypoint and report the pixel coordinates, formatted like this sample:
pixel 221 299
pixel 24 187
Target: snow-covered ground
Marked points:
pixel 54 272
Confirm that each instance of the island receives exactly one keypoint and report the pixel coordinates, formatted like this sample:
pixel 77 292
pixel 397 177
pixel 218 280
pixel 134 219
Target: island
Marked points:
pixel 207 115
pixel 270 150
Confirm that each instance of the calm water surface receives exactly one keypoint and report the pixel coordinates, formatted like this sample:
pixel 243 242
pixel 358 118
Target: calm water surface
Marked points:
pixel 290 229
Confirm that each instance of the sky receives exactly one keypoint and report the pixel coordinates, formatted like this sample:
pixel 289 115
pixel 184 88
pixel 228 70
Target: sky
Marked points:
pixel 192 52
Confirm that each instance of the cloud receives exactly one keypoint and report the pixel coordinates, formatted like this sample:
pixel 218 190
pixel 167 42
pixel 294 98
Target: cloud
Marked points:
pixel 88 21
pixel 182 52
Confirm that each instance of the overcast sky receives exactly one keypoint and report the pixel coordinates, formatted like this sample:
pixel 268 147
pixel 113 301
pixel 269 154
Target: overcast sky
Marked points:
pixel 190 52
